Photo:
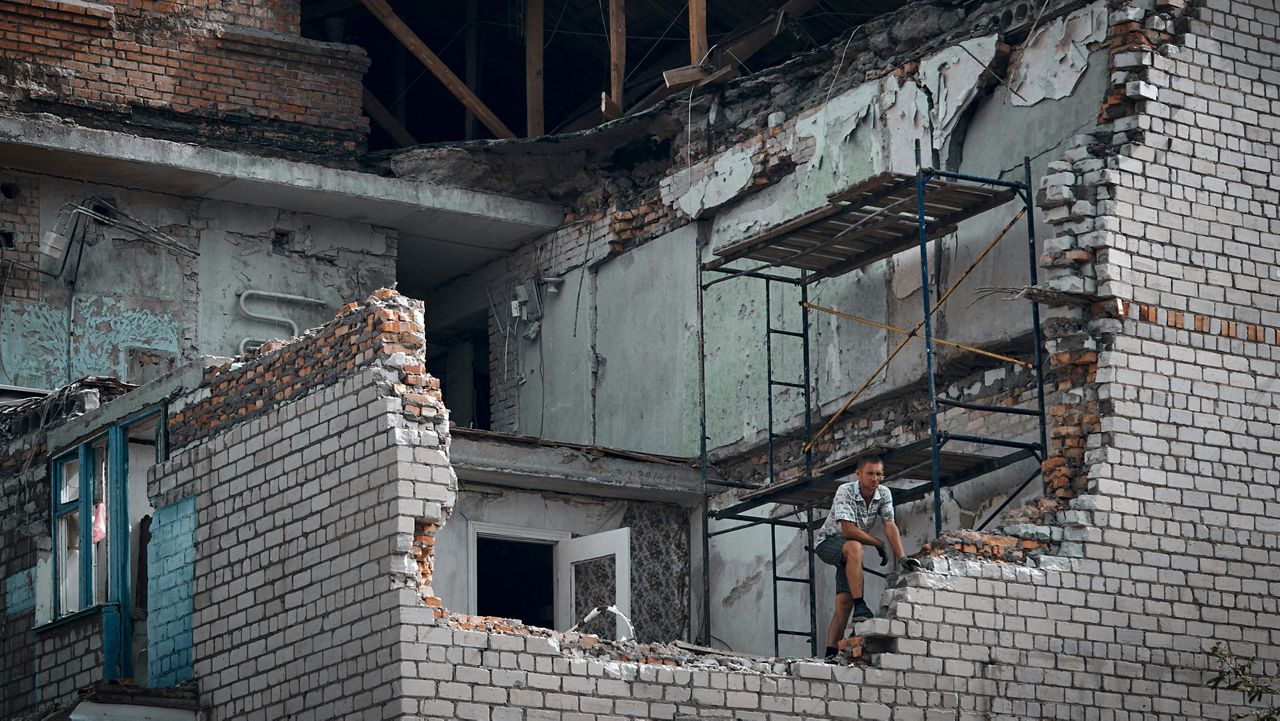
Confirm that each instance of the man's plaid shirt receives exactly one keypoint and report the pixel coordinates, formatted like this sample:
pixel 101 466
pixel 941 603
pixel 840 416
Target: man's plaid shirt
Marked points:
pixel 850 506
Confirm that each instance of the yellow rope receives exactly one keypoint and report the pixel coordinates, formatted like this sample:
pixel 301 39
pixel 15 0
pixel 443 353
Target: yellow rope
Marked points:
pixel 867 383
pixel 904 331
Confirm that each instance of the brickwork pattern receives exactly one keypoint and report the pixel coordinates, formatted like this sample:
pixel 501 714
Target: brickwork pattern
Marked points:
pixel 1164 468
pixel 230 61
pixel 170 581
pixel 315 509
pixel 24 531
pixel 68 658
pixel 284 371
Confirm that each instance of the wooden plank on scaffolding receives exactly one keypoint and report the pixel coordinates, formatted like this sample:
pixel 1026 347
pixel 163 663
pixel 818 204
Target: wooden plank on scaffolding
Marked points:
pixel 383 12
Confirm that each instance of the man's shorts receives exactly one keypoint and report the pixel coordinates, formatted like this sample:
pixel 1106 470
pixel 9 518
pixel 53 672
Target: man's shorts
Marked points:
pixel 831 551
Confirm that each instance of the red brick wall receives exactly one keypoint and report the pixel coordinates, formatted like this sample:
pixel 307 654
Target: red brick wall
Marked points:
pixel 387 329
pixel 241 62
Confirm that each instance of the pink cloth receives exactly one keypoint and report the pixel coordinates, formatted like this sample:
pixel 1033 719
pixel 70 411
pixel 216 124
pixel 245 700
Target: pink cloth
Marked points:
pixel 99 522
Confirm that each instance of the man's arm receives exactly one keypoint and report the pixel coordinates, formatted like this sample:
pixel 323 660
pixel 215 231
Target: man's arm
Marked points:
pixel 850 530
pixel 895 539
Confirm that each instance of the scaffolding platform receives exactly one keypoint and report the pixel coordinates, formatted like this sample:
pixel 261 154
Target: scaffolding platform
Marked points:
pixel 868 222
pixel 912 462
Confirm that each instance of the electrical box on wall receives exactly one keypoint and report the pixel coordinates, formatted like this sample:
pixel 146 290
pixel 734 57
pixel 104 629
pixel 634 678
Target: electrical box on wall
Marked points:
pixel 527 305
pixel 533 302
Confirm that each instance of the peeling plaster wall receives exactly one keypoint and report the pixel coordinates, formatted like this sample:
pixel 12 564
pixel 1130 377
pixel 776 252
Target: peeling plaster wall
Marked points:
pixel 139 309
pixel 951 99
pixel 556 361
pixel 646 340
pixel 867 130
pixel 613 360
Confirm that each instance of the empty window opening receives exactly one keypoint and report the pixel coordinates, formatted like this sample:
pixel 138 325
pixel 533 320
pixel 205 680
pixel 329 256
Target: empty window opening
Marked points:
pixel 461 363
pixel 515 579
pixel 9 191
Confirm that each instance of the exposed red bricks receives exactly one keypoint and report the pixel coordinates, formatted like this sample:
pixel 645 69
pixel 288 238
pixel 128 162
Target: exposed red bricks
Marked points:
pixel 210 60
pixel 988 546
pixel 280 371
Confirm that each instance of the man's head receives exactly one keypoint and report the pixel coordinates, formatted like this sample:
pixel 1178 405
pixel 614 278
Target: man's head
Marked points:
pixel 870 473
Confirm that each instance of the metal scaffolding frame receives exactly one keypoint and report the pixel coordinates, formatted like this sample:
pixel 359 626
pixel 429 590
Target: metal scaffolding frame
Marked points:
pixel 859 226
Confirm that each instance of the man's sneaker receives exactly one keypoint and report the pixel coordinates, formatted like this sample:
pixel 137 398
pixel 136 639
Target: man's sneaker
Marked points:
pixel 861 611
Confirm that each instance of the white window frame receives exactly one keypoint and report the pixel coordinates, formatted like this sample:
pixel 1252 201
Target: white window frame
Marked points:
pixel 481 529
pixel 616 543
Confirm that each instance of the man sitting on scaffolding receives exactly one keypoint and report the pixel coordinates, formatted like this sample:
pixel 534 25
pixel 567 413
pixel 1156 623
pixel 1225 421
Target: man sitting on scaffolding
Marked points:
pixel 857 506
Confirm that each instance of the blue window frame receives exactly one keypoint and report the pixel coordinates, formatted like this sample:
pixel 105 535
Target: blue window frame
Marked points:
pixel 94 538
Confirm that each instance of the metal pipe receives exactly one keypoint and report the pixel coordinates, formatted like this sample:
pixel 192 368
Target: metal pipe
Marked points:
pixel 965 438
pixel 1035 311
pixel 928 341
pixel 278 319
pixel 731 274
pixel 1021 487
pixel 990 409
pixel 768 373
pixel 773 550
pixel 808 462
pixel 977 179
pixel 704 623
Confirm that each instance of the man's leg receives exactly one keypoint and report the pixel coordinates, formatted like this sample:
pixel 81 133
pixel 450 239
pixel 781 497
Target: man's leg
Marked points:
pixel 852 552
pixel 844 606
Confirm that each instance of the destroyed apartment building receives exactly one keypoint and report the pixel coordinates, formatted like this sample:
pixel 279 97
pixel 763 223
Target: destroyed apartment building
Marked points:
pixel 501 359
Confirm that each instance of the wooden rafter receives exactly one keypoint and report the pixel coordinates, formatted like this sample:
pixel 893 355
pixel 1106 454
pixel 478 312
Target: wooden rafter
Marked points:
pixel 697 31
pixel 617 51
pixel 386 119
pixel 533 68
pixel 414 44
pixel 742 43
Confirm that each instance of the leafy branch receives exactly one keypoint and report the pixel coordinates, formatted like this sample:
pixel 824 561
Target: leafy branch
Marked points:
pixel 1237 674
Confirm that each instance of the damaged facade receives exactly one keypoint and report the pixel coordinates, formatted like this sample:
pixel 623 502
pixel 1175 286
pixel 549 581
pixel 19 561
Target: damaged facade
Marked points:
pixel 304 530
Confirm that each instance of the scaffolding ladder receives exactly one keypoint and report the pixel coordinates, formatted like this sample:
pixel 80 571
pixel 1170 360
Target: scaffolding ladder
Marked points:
pixel 871 221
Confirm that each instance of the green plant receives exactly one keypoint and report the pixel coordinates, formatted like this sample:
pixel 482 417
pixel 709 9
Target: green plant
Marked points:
pixel 1237 674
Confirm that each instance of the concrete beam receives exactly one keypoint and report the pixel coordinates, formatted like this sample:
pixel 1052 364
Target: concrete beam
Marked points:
pixel 566 469
pixel 453 214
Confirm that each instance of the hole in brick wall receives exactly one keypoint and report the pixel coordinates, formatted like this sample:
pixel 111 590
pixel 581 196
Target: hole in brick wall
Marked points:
pixel 105 207
pixel 281 239
pixel 9 191
pixel 8 240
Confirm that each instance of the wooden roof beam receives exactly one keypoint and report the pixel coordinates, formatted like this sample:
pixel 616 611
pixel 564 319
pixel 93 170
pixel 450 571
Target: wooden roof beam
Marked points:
pixel 533 94
pixel 617 51
pixel 386 120
pixel 383 12
pixel 697 31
